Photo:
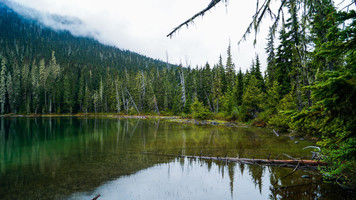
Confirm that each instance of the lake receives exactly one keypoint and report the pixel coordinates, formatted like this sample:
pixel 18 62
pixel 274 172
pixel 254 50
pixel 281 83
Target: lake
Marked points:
pixel 80 158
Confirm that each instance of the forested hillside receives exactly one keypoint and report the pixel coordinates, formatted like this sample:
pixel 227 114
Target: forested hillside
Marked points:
pixel 309 86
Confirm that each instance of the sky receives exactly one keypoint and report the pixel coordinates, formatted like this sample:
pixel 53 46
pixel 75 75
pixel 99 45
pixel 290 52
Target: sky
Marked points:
pixel 142 25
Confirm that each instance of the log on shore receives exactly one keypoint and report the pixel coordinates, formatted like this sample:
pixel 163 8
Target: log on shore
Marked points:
pixel 305 164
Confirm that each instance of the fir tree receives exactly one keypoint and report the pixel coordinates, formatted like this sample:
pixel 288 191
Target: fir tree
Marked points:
pixel 230 70
pixel 3 86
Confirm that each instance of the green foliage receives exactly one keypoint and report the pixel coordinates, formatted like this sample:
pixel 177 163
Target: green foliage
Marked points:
pixel 333 115
pixel 198 110
pixel 239 113
pixel 310 90
pixel 253 97
pixel 187 106
pixel 286 107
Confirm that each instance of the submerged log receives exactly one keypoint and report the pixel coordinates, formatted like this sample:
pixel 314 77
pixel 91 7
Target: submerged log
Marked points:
pixel 303 164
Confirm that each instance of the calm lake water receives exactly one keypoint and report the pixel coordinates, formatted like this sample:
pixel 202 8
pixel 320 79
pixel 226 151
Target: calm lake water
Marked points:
pixel 79 158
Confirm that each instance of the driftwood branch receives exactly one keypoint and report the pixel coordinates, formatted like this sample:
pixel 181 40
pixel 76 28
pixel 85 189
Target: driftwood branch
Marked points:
pixel 288 174
pixel 275 132
pixel 302 164
pixel 96 197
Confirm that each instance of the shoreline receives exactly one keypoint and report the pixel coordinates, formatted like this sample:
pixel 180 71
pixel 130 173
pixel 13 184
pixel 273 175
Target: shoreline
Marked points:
pixel 178 119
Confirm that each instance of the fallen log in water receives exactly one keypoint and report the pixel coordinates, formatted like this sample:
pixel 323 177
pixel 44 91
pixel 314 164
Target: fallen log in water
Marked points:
pixel 301 164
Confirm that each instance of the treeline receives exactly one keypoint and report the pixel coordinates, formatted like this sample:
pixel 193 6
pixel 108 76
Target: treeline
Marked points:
pixel 309 85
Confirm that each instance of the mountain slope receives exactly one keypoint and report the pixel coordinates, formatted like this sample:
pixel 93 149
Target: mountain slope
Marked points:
pixel 28 39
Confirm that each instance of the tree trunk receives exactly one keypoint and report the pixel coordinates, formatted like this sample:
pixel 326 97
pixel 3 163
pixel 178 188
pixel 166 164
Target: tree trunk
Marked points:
pixel 132 101
pixel 305 164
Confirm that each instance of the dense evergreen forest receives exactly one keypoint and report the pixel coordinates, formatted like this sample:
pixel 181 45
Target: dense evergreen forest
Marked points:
pixel 309 86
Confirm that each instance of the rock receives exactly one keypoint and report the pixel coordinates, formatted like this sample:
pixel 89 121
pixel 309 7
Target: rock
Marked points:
pixel 296 142
pixel 292 137
pixel 301 139
pixel 305 176
pixel 214 123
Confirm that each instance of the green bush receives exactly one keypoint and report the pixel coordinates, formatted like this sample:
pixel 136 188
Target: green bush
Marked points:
pixel 239 113
pixel 198 110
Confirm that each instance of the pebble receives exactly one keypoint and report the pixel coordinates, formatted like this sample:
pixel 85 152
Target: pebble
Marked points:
pixel 296 142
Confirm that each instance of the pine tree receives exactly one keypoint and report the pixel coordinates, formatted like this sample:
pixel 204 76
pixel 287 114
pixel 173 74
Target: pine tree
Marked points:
pixel 81 92
pixel 35 87
pixel 324 29
pixel 3 86
pixel 239 88
pixel 271 57
pixel 10 91
pixel 257 73
pixel 43 78
pixel 230 70
pixel 284 63
pixel 26 84
pixel 253 97
pixel 16 80
pixel 216 88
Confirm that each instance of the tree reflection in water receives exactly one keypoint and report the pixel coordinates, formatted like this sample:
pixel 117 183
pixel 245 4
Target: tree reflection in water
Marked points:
pixel 49 158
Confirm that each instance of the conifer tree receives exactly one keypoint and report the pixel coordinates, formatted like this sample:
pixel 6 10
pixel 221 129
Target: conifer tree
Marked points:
pixel 35 88
pixel 239 88
pixel 284 63
pixel 10 91
pixel 271 57
pixel 230 70
pixel 253 97
pixel 3 86
pixel 257 73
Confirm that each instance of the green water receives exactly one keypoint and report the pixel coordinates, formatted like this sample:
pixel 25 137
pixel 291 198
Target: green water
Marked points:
pixel 79 158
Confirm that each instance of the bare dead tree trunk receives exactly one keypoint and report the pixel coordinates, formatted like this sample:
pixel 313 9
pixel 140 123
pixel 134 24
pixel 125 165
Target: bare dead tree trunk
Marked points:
pixel 183 87
pixel 133 102
pixel 143 90
pixel 117 98
pixel 123 99
pixel 207 98
pixel 306 164
pixel 154 100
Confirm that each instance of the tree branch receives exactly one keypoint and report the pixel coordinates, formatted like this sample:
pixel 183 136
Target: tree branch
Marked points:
pixel 201 13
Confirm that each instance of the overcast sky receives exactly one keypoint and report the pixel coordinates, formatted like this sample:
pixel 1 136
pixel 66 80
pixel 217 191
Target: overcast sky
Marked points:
pixel 142 26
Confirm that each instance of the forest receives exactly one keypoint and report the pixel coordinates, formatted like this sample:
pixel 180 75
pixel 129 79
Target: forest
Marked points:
pixel 309 87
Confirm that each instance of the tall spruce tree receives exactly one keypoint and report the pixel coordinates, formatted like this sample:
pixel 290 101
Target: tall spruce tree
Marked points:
pixel 3 86
pixel 230 70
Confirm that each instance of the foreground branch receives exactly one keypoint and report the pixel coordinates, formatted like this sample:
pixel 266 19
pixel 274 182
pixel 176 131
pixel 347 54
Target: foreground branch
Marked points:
pixel 201 13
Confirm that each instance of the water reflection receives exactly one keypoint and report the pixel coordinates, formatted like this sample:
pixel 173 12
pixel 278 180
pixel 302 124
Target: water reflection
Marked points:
pixel 195 179
pixel 52 158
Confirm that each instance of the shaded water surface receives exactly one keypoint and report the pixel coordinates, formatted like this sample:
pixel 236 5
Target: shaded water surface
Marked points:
pixel 79 158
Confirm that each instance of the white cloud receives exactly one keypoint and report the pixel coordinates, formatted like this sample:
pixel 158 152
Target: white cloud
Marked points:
pixel 142 26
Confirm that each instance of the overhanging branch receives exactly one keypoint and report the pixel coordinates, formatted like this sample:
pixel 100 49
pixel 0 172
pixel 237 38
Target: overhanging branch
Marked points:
pixel 201 13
